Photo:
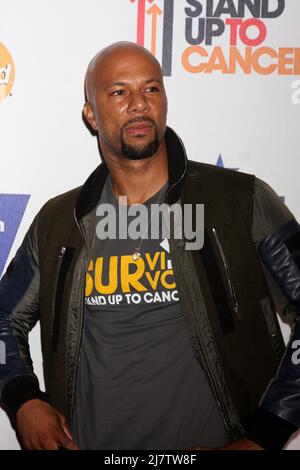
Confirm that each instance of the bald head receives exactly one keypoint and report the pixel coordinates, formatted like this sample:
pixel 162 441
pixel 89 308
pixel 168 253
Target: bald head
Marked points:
pixel 126 102
pixel 108 56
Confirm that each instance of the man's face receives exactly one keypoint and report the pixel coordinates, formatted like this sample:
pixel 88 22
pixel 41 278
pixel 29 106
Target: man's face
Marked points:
pixel 128 104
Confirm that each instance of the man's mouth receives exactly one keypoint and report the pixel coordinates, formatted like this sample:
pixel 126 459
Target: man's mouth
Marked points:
pixel 139 128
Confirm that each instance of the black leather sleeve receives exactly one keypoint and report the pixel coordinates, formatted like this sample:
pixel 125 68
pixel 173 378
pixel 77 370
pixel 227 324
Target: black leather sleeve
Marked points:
pixel 280 252
pixel 277 237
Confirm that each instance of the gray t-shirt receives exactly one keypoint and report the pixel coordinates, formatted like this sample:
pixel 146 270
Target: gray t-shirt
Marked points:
pixel 139 385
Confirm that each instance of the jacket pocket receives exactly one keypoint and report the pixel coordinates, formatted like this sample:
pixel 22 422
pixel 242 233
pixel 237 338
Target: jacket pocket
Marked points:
pixel 64 259
pixel 273 328
pixel 216 284
pixel 228 274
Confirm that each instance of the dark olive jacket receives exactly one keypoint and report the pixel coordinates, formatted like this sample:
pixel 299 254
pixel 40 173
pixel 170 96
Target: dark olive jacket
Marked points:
pixel 224 296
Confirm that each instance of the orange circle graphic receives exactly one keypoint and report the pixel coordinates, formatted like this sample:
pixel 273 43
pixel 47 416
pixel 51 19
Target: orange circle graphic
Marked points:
pixel 7 72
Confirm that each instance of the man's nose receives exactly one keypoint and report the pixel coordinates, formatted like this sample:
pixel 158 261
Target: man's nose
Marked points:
pixel 137 103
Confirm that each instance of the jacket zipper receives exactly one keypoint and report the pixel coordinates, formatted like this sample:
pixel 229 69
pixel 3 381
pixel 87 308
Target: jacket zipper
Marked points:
pixel 218 398
pixel 54 309
pixel 228 274
pixel 77 358
pixel 217 394
pixel 81 328
pixel 60 258
pixel 211 379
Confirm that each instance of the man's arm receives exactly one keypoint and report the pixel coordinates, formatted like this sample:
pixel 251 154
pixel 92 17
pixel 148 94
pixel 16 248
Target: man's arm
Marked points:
pixel 39 425
pixel 19 312
pixel 277 237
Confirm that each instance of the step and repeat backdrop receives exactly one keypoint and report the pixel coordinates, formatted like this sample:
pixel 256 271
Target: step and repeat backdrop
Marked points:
pixel 232 75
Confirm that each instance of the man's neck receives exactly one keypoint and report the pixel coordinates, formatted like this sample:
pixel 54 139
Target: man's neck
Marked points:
pixel 139 179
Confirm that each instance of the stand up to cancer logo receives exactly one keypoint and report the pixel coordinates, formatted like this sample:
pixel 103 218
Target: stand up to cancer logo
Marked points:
pixel 216 36
pixel 7 72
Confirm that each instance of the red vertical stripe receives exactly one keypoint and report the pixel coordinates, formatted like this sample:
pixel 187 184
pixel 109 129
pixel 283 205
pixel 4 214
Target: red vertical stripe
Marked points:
pixel 141 22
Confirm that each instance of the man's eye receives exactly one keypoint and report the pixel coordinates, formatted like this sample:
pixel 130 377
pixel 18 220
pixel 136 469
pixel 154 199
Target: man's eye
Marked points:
pixel 117 93
pixel 152 89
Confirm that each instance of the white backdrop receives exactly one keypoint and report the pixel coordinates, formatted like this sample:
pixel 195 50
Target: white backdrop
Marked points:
pixel 248 121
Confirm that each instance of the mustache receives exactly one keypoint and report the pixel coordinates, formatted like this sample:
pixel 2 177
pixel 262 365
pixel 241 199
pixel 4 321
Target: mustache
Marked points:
pixel 138 119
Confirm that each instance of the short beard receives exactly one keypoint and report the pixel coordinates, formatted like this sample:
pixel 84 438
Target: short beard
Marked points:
pixel 137 152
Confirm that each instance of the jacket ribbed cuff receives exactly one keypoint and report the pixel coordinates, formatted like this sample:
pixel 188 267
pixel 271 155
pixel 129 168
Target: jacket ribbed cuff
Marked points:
pixel 19 390
pixel 268 430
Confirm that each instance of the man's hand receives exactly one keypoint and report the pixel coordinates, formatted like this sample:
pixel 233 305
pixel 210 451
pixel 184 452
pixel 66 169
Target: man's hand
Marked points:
pixel 241 444
pixel 41 427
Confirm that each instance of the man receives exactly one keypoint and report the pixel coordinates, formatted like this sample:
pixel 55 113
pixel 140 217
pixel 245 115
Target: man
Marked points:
pixel 202 366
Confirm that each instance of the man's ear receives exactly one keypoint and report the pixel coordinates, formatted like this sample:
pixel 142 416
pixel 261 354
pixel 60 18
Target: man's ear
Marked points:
pixel 89 115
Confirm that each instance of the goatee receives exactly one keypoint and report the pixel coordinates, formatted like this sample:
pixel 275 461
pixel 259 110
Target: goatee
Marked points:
pixel 139 151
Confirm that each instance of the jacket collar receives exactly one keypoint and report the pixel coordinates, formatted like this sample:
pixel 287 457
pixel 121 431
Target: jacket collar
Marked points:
pixel 177 166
